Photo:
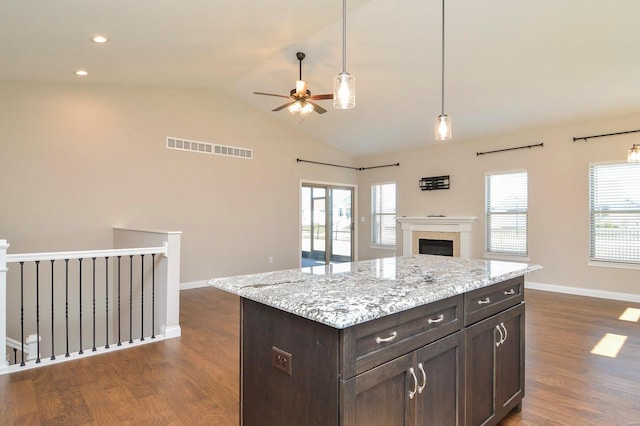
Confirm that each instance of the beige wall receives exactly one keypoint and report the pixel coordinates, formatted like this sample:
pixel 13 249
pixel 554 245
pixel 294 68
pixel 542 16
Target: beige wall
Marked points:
pixel 558 194
pixel 76 160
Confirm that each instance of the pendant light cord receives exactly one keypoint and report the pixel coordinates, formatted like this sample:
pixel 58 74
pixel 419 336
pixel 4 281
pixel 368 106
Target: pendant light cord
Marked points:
pixel 442 99
pixel 344 36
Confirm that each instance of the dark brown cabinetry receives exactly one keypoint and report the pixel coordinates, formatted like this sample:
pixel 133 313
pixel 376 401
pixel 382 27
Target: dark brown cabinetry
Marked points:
pixel 455 361
pixel 494 353
pixel 424 387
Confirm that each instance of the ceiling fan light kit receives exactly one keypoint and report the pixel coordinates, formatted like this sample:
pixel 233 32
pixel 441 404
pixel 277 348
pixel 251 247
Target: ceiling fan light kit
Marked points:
pixel 344 85
pixel 300 98
pixel 443 121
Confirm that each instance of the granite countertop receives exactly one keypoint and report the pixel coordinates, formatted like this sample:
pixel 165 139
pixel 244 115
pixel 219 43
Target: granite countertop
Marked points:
pixel 346 294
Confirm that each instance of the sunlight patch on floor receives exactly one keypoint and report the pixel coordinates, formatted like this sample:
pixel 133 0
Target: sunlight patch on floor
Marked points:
pixel 609 345
pixel 630 314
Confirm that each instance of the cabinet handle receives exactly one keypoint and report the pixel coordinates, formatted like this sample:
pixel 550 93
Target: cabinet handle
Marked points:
pixel 484 301
pixel 437 320
pixel 499 342
pixel 505 332
pixel 424 378
pixel 509 292
pixel 415 383
pixel 386 339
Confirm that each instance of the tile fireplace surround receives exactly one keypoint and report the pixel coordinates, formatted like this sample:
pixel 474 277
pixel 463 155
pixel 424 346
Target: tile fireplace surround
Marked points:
pixel 451 228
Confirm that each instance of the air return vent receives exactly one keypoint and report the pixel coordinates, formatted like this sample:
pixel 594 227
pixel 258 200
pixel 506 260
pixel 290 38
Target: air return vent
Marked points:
pixel 209 148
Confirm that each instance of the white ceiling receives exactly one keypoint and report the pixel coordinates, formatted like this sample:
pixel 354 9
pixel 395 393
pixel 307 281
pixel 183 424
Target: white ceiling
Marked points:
pixel 509 64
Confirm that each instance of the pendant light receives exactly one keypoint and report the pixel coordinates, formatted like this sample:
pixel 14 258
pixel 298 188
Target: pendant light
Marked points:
pixel 344 85
pixel 633 156
pixel 443 121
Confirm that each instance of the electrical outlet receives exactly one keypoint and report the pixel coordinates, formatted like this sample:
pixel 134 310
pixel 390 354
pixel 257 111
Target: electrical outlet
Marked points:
pixel 281 360
pixel 270 259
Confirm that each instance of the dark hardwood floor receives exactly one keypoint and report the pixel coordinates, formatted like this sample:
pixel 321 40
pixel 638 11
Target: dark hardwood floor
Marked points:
pixel 194 379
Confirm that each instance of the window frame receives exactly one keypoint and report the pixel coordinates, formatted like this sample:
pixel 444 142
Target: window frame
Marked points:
pixel 592 259
pixel 505 254
pixel 374 215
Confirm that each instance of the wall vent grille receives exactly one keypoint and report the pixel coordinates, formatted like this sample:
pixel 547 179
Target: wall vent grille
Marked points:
pixel 209 148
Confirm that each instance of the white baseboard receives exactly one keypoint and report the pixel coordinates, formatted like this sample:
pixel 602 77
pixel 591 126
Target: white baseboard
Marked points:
pixel 579 291
pixel 171 331
pixel 193 284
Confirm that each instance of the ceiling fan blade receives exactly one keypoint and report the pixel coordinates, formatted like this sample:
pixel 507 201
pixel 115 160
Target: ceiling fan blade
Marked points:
pixel 271 94
pixel 321 97
pixel 317 108
pixel 281 107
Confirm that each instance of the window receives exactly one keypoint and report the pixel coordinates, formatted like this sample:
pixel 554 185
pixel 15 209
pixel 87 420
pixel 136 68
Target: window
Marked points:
pixel 383 214
pixel 506 212
pixel 614 207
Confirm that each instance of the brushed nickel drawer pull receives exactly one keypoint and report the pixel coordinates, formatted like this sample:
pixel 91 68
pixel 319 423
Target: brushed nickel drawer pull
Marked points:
pixel 505 332
pixel 424 378
pixel 387 339
pixel 509 292
pixel 415 383
pixel 498 343
pixel 437 320
pixel 484 301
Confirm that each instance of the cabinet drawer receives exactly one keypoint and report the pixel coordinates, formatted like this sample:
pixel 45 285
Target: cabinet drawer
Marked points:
pixel 484 302
pixel 381 340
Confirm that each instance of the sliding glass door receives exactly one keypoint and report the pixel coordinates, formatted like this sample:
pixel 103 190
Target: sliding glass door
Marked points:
pixel 327 224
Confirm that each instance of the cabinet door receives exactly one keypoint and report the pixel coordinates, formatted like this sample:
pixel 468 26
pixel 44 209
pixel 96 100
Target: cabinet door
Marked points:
pixel 381 396
pixel 510 362
pixel 494 359
pixel 480 358
pixel 440 371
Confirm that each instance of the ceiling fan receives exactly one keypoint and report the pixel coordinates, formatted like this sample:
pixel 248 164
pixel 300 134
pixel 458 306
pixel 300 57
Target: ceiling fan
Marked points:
pixel 300 99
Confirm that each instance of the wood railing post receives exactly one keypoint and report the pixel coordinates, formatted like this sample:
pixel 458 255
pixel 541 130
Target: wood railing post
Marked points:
pixel 3 304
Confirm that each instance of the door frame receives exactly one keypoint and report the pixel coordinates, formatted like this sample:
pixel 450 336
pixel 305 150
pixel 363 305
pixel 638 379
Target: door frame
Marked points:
pixel 354 214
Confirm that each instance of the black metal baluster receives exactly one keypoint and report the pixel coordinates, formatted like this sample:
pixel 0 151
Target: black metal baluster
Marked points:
pixel 53 351
pixel 66 303
pixel 15 356
pixel 22 313
pixel 106 293
pixel 153 295
pixel 38 310
pixel 93 296
pixel 130 298
pixel 142 297
pixel 80 287
pixel 119 340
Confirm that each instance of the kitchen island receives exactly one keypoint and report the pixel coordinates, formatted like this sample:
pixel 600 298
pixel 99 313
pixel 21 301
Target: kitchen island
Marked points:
pixel 396 341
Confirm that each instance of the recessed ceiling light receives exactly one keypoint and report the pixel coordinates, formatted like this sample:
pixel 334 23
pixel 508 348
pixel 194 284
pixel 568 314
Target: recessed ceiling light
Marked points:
pixel 81 73
pixel 99 39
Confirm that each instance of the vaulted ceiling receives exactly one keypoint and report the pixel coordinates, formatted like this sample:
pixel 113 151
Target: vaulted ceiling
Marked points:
pixel 509 64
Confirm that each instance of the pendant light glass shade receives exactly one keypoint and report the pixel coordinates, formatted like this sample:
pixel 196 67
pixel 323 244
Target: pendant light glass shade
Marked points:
pixel 443 122
pixel 344 91
pixel 634 154
pixel 443 128
pixel 344 85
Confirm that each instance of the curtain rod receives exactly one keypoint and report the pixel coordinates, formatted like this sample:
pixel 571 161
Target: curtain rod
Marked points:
pixel 346 167
pixel 509 149
pixel 602 136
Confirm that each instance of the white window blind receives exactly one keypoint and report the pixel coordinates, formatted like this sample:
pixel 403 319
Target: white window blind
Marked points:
pixel 383 214
pixel 506 212
pixel 614 204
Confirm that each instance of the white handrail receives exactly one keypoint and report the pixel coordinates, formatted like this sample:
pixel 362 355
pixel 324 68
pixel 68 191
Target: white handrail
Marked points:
pixel 61 255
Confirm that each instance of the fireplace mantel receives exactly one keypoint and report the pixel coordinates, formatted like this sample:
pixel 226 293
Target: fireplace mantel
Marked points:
pixel 460 225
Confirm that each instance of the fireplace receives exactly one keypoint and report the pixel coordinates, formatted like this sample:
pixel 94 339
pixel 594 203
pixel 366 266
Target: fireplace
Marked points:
pixel 437 247
pixel 455 229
